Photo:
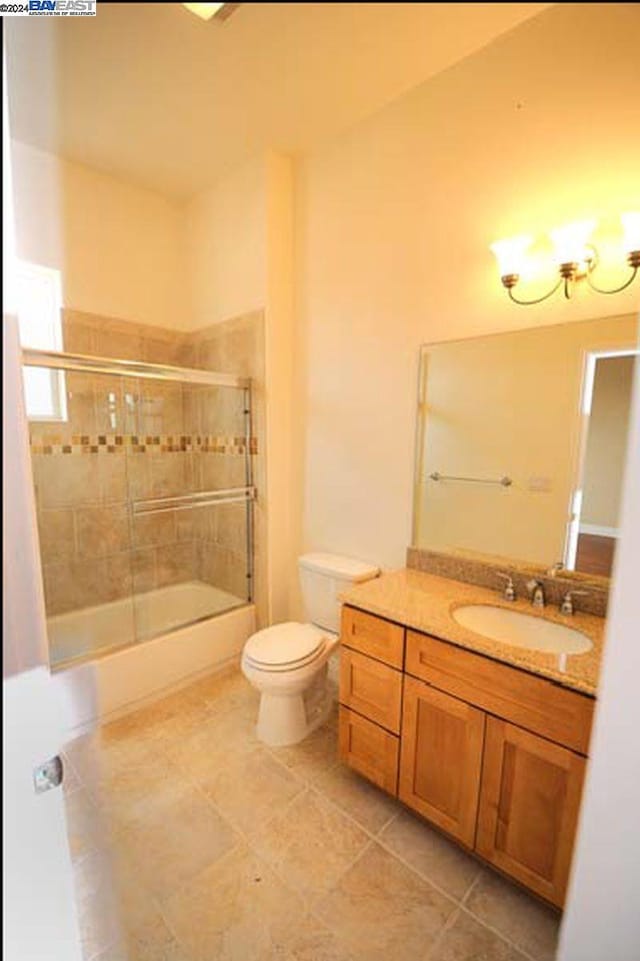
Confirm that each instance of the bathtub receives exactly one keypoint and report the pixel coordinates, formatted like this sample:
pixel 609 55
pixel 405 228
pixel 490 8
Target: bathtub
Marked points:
pixel 109 659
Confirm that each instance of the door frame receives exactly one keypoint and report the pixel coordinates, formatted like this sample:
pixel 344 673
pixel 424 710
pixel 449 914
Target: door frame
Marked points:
pixel 590 359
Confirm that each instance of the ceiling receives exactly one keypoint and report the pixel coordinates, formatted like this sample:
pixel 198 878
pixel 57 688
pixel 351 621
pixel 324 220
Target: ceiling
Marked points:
pixel 153 95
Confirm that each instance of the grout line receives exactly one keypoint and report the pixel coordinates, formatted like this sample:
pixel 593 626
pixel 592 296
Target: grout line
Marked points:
pixel 498 933
pixel 446 927
pixel 315 900
pixel 473 884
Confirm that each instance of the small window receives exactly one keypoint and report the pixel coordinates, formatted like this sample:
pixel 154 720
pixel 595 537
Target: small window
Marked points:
pixel 39 302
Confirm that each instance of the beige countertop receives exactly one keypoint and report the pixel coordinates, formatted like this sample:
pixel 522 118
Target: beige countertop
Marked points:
pixel 425 602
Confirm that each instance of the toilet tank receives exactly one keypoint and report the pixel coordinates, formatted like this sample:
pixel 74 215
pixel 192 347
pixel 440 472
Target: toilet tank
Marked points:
pixel 323 577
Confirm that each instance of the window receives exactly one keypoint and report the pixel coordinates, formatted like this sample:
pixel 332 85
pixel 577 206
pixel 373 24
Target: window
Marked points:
pixel 38 302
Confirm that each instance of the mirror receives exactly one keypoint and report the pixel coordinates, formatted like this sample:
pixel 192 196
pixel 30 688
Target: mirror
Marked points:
pixel 521 443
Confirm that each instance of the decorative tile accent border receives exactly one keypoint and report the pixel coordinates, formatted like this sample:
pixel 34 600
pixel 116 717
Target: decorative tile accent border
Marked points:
pixel 140 444
pixel 472 570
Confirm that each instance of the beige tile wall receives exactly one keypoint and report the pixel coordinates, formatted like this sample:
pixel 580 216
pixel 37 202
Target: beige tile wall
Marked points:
pixel 234 346
pixel 87 469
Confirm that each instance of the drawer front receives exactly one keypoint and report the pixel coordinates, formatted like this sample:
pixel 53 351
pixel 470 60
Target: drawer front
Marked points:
pixel 373 636
pixel 531 702
pixel 371 688
pixel 369 750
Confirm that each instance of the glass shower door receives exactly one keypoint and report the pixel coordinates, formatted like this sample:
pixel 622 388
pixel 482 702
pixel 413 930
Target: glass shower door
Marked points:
pixel 144 497
pixel 190 490
pixel 82 502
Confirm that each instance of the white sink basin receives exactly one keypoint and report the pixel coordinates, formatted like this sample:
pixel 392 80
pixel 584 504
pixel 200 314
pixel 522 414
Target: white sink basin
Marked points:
pixel 521 630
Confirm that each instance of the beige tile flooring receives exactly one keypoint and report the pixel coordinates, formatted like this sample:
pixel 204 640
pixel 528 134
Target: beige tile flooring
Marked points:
pixel 191 841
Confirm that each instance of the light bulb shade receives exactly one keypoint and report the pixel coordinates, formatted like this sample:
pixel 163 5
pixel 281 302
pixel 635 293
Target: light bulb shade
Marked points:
pixel 570 242
pixel 631 230
pixel 510 254
pixel 204 10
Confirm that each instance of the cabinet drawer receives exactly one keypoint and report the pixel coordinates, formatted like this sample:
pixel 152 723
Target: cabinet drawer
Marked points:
pixel 532 702
pixel 371 688
pixel 369 750
pixel 373 636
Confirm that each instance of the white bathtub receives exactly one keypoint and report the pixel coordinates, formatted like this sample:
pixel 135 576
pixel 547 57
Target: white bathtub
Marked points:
pixel 113 657
pixel 90 631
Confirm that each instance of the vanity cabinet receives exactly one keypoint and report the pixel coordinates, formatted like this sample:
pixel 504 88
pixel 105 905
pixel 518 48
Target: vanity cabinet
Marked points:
pixel 493 755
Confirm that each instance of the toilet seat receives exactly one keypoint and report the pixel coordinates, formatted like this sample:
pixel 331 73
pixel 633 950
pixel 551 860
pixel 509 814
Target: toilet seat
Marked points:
pixel 285 647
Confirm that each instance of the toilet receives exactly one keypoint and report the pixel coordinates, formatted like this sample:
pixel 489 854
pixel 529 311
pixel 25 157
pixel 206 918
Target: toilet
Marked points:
pixel 287 663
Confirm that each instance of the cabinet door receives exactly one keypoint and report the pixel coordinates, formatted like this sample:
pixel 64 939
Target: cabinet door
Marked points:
pixel 529 806
pixel 441 758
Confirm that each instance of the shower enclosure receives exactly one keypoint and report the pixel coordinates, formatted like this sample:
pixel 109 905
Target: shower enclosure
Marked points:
pixel 144 493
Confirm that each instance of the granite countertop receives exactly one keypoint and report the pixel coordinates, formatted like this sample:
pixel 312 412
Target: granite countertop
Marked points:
pixel 425 602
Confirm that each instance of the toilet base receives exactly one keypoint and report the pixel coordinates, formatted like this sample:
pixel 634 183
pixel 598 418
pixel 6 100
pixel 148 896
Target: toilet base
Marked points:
pixel 285 719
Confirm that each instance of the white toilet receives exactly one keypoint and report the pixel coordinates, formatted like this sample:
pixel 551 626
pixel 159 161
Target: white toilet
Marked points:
pixel 287 663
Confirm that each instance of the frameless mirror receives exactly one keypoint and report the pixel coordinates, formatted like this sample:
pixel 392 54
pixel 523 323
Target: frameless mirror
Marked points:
pixel 521 443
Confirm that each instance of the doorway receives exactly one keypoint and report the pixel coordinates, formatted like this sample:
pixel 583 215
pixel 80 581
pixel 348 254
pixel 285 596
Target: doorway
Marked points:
pixel 606 410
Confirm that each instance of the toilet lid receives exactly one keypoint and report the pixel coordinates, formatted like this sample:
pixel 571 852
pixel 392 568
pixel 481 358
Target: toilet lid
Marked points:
pixel 284 644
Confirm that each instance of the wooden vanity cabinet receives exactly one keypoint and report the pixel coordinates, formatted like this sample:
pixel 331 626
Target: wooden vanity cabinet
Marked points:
pixel 489 753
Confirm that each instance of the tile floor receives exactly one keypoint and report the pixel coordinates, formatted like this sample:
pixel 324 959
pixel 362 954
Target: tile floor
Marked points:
pixel 191 841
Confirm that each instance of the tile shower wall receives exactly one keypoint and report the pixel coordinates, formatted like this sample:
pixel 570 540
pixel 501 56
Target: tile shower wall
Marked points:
pixel 127 437
pixel 235 346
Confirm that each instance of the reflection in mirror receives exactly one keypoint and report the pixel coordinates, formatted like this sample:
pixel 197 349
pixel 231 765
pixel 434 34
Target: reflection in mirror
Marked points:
pixel 521 443
pixel 607 406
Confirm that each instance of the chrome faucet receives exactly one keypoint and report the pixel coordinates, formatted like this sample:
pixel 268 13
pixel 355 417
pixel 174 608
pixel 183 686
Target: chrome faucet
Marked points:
pixel 555 570
pixel 567 601
pixel 536 589
pixel 509 589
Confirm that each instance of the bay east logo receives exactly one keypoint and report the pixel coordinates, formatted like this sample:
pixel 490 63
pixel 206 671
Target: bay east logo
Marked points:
pixel 62 8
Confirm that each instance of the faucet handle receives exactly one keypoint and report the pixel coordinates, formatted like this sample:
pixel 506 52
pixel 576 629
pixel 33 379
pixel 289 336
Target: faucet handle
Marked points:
pixel 566 607
pixel 509 589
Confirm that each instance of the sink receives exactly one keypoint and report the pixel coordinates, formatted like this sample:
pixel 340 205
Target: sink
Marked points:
pixel 521 630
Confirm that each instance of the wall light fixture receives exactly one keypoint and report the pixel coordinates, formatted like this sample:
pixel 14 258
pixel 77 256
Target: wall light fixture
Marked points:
pixel 575 257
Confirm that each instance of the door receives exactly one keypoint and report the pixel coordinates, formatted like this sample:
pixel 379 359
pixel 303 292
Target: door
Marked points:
pixel 441 758
pixel 39 912
pixel 529 805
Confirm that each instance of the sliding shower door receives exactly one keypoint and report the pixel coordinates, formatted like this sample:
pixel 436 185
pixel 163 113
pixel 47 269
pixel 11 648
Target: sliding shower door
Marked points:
pixel 190 488
pixel 82 499
pixel 144 493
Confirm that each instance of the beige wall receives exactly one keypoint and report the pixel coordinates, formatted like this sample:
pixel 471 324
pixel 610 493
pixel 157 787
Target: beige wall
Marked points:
pixel 120 248
pixel 509 404
pixel 607 441
pixel 394 222
pixel 225 243
pixel 240 256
